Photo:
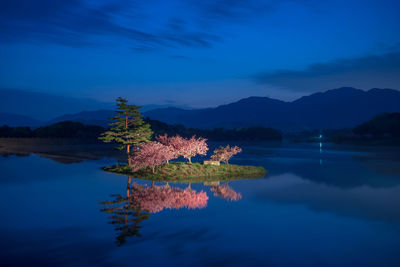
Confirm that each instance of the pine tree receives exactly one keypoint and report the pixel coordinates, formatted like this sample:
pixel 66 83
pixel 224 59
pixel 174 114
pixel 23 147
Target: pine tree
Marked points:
pixel 128 128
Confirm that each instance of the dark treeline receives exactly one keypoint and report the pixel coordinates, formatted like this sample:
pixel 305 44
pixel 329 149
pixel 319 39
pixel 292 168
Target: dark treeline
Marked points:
pixel 384 129
pixel 70 129
pixel 386 125
pixel 255 133
pixel 65 129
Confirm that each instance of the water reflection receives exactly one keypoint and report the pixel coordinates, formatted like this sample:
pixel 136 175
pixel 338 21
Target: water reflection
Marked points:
pixel 127 212
pixel 363 202
pixel 341 213
pixel 225 192
pixel 125 215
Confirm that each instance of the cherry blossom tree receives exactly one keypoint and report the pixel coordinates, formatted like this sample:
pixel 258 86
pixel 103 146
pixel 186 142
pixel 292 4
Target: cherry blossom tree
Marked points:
pixel 186 148
pixel 224 154
pixel 173 144
pixel 192 147
pixel 151 155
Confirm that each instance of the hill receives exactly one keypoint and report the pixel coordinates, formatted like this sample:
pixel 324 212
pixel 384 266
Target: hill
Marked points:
pixel 96 117
pixel 338 108
pixel 42 106
pixel 383 129
pixel 17 120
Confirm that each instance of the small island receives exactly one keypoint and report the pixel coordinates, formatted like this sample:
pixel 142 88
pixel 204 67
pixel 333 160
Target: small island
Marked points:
pixel 195 172
pixel 150 159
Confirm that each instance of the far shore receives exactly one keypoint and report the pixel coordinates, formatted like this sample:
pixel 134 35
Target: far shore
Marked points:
pixel 64 150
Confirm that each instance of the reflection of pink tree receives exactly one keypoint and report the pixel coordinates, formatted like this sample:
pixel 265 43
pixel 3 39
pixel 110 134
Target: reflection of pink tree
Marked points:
pixel 156 198
pixel 226 192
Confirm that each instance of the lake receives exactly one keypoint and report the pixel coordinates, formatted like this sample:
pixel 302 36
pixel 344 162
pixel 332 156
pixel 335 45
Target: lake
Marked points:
pixel 317 206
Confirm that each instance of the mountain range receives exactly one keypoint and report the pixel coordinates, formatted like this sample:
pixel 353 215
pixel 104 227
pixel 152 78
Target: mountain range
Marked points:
pixel 344 107
pixel 43 106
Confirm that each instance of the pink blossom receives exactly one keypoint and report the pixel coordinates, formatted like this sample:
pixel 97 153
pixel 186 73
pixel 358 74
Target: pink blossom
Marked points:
pixel 224 154
pixel 151 155
pixel 186 148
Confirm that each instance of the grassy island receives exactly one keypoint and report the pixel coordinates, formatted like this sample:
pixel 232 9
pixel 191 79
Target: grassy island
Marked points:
pixel 183 172
pixel 150 159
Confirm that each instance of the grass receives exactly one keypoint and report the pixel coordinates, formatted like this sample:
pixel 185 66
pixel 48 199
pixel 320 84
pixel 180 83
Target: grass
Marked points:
pixel 195 172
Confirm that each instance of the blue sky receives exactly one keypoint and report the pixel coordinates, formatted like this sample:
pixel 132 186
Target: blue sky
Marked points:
pixel 198 53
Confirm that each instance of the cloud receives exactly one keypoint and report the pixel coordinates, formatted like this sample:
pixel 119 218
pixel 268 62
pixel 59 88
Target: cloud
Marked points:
pixel 147 25
pixel 76 23
pixel 234 10
pixel 375 70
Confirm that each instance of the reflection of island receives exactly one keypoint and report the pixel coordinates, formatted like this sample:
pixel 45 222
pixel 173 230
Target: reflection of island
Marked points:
pixel 127 212
pixel 225 192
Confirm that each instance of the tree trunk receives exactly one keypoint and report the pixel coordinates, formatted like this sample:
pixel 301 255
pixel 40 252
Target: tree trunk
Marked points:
pixel 128 147
pixel 128 150
pixel 128 189
pixel 190 160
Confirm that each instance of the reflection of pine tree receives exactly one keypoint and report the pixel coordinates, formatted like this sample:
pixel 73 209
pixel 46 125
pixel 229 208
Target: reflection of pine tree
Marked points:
pixel 125 215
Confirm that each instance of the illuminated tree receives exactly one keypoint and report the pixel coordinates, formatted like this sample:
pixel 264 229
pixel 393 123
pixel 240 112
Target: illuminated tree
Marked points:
pixel 172 144
pixel 192 147
pixel 186 148
pixel 224 154
pixel 128 128
pixel 152 154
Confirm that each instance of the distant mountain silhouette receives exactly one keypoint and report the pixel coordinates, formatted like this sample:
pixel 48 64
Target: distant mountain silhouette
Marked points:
pixel 42 106
pixel 14 120
pixel 338 108
pixel 96 117
pixel 45 107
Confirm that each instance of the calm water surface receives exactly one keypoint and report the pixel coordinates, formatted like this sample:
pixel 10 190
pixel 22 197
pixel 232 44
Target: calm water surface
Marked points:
pixel 315 207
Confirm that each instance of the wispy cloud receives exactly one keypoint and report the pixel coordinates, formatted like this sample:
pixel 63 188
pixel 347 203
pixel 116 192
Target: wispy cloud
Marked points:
pixel 144 23
pixel 374 70
pixel 79 22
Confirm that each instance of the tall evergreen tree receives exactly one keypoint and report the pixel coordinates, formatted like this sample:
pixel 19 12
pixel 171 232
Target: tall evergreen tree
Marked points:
pixel 128 128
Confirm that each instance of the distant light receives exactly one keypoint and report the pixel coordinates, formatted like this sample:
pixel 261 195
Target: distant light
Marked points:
pixel 320 136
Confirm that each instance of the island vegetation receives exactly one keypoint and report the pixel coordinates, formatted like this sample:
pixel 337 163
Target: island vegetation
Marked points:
pixel 150 159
